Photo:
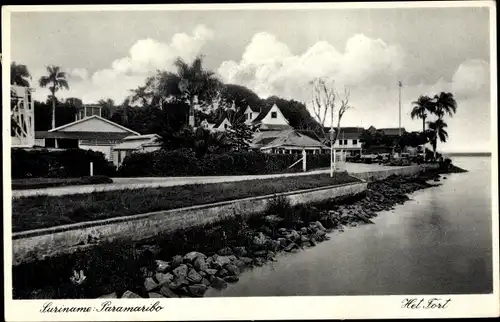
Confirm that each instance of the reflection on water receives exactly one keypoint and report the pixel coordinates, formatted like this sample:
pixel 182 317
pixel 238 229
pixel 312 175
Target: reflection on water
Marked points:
pixel 438 242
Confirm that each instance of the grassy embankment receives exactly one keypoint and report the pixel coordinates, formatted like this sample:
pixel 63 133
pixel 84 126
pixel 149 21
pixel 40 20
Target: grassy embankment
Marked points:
pixel 49 211
pixel 40 183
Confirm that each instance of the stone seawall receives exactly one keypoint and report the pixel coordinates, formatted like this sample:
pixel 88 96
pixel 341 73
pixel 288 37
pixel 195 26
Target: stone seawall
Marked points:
pixel 39 244
pixel 383 174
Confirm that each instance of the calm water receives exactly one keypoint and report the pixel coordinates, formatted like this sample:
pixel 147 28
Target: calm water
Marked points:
pixel 438 242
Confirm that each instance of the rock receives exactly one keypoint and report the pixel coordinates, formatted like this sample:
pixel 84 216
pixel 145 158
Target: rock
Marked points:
pixel 231 279
pixel 218 283
pixel 203 274
pixel 130 295
pixel 232 258
pixel 240 251
pixel 197 290
pixel 211 271
pixel 321 233
pixel 177 283
pixel 154 295
pixel 319 225
pixel 293 235
pixel 273 245
pixel 164 278
pixel 167 292
pixel 232 269
pixel 223 272
pixel 290 247
pixel 266 230
pixel 306 244
pixel 162 266
pixel 247 261
pixel 146 272
pixel 194 277
pixel 176 261
pixel 282 230
pixel 109 296
pixel 283 242
pixel 226 251
pixel 304 238
pixel 150 284
pixel 313 242
pixel 220 261
pixel 259 239
pixel 303 230
pixel 200 264
pixel 191 256
pixel 206 282
pixel 181 271
pixel 270 255
pixel 259 261
pixel 260 253
pixel 239 263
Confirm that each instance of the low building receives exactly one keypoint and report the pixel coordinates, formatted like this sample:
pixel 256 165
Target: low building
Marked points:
pixel 348 140
pixel 250 114
pixel 90 131
pixel 135 144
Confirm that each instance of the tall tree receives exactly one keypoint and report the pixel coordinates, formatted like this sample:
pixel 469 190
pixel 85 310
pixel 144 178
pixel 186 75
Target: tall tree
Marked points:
pixel 19 75
pixel 444 103
pixel 141 94
pixel 55 80
pixel 108 107
pixel 196 84
pixel 422 106
pixel 438 128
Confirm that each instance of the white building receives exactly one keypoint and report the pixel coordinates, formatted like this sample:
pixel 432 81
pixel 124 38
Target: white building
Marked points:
pixel 135 144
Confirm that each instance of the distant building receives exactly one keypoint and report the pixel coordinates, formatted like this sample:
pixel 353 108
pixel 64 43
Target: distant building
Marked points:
pixel 391 131
pixel 348 139
pixel 89 131
pixel 251 114
pixel 135 144
pixel 273 134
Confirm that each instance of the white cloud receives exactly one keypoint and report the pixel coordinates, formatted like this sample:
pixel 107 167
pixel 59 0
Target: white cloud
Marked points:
pixel 268 66
pixel 470 78
pixel 144 58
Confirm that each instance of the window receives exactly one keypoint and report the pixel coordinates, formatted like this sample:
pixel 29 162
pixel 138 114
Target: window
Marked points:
pixel 225 126
pixel 274 115
pixel 355 142
pixel 345 142
pixel 88 111
pixel 340 142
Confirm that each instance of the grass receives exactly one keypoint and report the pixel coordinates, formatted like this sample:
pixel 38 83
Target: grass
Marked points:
pixel 39 183
pixel 49 211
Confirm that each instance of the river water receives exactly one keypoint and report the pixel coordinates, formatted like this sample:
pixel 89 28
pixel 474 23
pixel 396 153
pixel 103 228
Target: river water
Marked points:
pixel 437 243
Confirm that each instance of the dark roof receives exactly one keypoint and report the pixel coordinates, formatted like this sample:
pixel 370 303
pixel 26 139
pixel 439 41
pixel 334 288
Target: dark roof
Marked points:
pixel 392 131
pixel 81 135
pixel 254 108
pixel 262 114
pixel 265 141
pixel 348 132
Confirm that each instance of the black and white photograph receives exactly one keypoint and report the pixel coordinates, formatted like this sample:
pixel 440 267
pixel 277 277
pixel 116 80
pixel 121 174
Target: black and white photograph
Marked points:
pixel 250 161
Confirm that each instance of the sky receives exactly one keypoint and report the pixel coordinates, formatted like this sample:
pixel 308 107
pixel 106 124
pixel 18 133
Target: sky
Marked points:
pixel 278 52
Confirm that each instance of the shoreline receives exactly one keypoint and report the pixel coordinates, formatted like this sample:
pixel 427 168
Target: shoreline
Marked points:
pixel 185 263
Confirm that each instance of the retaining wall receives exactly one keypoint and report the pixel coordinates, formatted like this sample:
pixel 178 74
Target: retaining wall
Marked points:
pixel 402 171
pixel 39 244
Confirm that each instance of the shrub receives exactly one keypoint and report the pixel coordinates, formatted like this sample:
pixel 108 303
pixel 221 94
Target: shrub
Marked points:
pixel 58 164
pixel 183 162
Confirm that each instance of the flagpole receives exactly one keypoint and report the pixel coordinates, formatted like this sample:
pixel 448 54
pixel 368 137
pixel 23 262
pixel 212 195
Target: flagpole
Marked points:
pixel 400 85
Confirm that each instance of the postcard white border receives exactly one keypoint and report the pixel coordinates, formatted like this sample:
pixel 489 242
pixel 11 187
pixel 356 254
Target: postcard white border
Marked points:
pixel 304 307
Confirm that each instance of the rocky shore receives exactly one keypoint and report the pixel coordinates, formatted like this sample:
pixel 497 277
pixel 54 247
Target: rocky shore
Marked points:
pixel 186 264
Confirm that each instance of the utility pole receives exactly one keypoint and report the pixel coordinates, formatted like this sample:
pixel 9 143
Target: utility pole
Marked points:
pixel 332 152
pixel 400 85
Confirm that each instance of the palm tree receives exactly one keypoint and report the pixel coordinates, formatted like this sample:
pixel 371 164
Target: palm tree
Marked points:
pixel 438 129
pixel 444 104
pixel 19 75
pixel 195 83
pixel 422 106
pixel 56 80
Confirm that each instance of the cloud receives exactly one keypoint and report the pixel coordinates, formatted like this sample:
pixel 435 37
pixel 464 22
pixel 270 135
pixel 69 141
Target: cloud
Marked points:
pixel 270 68
pixel 125 73
pixel 471 78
